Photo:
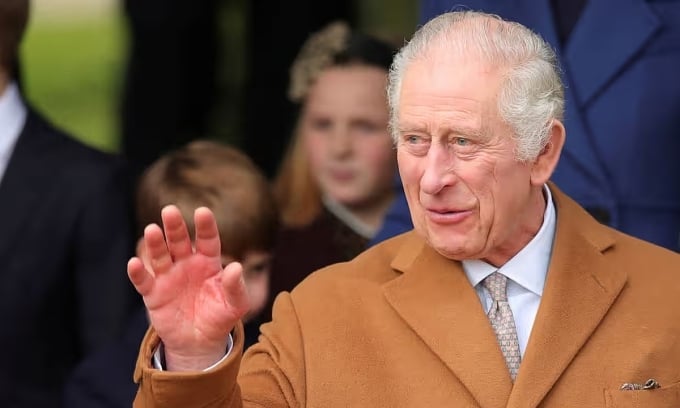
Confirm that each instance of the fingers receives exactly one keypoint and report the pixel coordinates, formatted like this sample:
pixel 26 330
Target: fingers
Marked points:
pixel 207 236
pixel 235 288
pixel 176 233
pixel 158 256
pixel 139 276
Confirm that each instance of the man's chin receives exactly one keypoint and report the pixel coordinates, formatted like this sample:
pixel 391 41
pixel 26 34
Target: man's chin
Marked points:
pixel 456 251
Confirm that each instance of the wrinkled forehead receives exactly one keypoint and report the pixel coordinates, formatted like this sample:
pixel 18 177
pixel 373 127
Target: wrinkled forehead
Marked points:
pixel 444 91
pixel 445 77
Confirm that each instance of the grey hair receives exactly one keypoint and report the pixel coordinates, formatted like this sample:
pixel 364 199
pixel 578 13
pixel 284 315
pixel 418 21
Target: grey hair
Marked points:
pixel 531 95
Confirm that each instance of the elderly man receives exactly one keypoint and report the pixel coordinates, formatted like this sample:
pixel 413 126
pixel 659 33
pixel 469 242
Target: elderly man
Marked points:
pixel 507 294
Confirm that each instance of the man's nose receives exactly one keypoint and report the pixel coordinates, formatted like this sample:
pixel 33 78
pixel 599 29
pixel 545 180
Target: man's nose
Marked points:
pixel 439 171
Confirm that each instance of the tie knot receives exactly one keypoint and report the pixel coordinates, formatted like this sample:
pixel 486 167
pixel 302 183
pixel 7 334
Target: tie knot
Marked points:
pixel 497 284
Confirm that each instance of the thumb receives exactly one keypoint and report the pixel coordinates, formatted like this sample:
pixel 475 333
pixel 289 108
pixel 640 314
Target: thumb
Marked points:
pixel 235 289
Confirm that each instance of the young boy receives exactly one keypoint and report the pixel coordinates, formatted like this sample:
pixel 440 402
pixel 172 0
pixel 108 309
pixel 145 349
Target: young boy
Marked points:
pixel 201 174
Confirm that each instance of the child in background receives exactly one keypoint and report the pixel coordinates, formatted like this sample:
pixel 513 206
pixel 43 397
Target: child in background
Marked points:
pixel 336 180
pixel 201 174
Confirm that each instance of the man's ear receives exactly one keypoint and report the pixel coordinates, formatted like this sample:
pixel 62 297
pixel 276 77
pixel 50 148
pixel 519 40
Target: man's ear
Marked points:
pixel 546 161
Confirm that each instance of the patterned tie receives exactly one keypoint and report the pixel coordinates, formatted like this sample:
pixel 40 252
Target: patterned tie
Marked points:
pixel 502 321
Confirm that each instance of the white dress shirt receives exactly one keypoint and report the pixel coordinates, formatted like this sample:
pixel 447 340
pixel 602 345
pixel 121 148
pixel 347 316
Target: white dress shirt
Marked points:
pixel 12 120
pixel 526 273
pixel 158 356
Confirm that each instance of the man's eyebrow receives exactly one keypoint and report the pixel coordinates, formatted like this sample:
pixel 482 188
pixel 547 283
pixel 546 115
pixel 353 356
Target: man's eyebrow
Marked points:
pixel 413 126
pixel 449 130
pixel 408 129
pixel 466 131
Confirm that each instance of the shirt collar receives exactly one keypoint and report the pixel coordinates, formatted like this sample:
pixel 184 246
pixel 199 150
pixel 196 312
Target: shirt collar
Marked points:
pixel 530 266
pixel 12 119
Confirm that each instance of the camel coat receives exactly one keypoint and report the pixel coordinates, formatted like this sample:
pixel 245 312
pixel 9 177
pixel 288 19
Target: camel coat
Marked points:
pixel 401 326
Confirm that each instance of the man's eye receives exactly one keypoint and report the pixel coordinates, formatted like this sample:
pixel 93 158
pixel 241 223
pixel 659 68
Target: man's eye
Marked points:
pixel 413 139
pixel 461 141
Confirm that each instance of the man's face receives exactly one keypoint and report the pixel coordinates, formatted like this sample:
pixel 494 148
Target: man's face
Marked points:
pixel 467 194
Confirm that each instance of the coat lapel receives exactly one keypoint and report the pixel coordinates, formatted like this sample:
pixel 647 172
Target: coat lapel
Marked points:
pixel 579 290
pixel 19 187
pixel 608 35
pixel 579 151
pixel 435 298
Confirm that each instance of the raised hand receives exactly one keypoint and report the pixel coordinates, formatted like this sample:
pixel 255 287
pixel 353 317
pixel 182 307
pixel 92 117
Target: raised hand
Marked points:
pixel 193 303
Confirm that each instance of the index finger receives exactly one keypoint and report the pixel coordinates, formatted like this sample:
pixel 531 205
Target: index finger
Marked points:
pixel 207 235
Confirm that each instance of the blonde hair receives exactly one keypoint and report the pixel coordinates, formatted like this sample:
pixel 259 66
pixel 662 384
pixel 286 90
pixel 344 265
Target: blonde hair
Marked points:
pixel 295 188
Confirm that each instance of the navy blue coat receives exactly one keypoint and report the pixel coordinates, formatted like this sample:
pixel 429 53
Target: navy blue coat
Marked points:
pixel 621 63
pixel 104 379
pixel 66 238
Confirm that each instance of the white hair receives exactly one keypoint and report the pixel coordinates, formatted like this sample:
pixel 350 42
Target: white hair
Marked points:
pixel 531 95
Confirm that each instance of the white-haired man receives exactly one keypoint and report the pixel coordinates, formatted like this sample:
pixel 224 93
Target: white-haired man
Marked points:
pixel 507 294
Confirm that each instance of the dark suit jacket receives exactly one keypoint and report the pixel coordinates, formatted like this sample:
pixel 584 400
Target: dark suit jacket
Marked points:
pixel 65 240
pixel 620 160
pixel 401 326
pixel 104 380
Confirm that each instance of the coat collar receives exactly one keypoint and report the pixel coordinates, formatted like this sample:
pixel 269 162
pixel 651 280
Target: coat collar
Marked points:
pixel 435 299
pixel 597 52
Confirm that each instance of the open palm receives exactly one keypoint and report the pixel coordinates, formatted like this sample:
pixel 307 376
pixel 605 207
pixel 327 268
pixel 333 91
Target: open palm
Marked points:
pixel 193 303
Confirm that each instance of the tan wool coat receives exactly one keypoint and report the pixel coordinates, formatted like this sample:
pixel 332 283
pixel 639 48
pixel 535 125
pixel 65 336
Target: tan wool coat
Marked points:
pixel 401 326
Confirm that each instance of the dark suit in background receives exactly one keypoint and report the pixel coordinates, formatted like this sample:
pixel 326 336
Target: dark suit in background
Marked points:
pixel 104 380
pixel 69 204
pixel 620 62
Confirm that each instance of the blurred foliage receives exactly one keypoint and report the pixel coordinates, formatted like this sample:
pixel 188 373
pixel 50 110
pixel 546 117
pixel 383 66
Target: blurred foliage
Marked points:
pixel 393 20
pixel 71 72
pixel 226 118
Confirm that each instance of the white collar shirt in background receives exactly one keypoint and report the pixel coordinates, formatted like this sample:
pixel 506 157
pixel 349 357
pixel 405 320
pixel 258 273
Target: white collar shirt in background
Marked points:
pixel 13 114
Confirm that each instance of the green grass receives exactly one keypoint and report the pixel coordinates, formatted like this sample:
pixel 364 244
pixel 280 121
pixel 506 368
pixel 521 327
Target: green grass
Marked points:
pixel 72 74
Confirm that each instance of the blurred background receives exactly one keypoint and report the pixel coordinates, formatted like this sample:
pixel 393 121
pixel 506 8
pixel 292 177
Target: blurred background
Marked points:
pixel 72 60
pixel 83 67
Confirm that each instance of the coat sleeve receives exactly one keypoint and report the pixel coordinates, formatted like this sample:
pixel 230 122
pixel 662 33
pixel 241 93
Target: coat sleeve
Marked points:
pixel 271 372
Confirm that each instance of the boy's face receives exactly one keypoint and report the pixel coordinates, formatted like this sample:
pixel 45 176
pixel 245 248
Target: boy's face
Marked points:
pixel 256 269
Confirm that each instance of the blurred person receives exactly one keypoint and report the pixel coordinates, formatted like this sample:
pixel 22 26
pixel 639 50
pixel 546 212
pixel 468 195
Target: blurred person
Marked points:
pixel 200 174
pixel 507 294
pixel 184 78
pixel 72 204
pixel 335 182
pixel 274 32
pixel 621 107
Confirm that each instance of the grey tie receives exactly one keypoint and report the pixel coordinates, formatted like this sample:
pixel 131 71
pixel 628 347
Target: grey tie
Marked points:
pixel 502 321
